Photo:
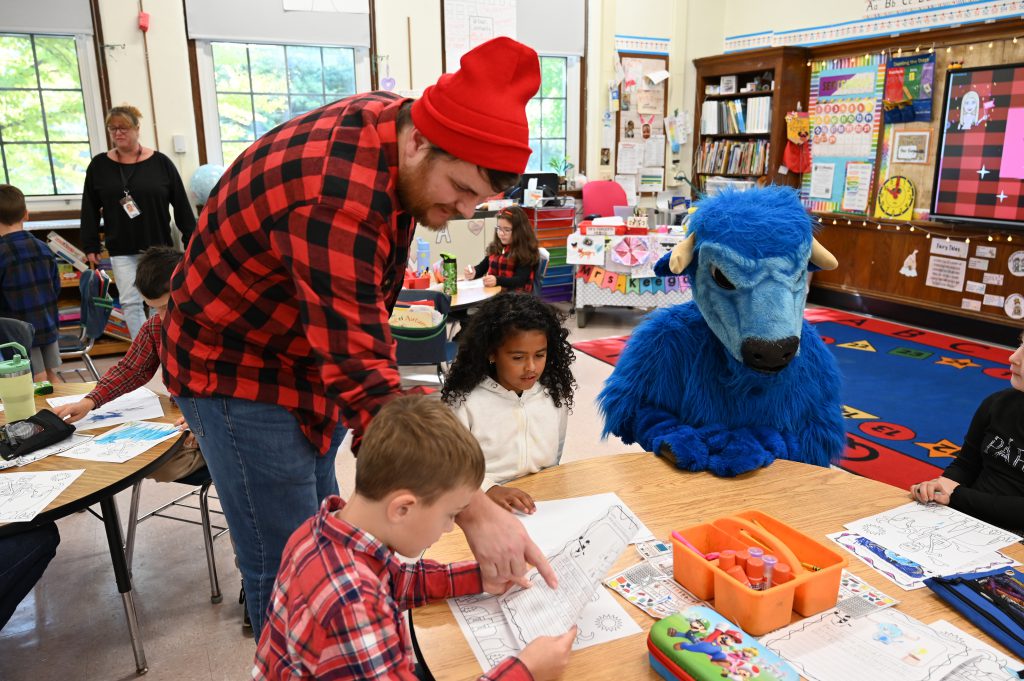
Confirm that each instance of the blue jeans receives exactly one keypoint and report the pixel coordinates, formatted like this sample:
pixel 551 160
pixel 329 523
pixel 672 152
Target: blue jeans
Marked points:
pixel 132 305
pixel 23 558
pixel 269 479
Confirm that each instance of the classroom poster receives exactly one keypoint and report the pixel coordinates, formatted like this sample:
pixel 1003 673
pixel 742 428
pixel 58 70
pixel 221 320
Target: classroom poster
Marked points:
pixel 912 77
pixel 846 112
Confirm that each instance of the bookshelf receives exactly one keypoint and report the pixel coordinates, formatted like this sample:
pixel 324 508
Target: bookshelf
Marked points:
pixel 741 134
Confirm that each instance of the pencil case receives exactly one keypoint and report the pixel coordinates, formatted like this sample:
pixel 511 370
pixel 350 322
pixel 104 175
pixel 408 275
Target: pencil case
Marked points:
pixel 699 644
pixel 758 611
pixel 988 600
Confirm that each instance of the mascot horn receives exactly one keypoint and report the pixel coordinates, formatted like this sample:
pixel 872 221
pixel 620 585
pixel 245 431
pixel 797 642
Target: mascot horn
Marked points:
pixel 735 378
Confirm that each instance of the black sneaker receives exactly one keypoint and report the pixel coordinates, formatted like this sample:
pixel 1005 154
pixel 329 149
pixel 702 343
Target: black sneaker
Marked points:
pixel 246 622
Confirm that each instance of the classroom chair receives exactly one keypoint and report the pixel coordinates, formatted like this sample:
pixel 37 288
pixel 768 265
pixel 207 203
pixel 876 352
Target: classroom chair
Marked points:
pixel 201 481
pixel 22 333
pixel 542 269
pixel 426 347
pixel 93 315
pixel 600 198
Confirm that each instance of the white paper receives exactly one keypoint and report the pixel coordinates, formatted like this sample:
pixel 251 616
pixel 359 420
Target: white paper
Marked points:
pixel 993 300
pixel 470 284
pixel 937 537
pixel 985 251
pixel 628 184
pixel 580 565
pixel 968 304
pixel 648 586
pixel 992 278
pixel 988 664
pixel 857 186
pixel 629 157
pixel 652 179
pixel 67 443
pixel 977 264
pixel 654 152
pixel 951 248
pixel 821 180
pixel 657 76
pixel 549 526
pixel 123 443
pixel 138 405
pixel 904 572
pixel 975 287
pixel 947 273
pixel 883 646
pixel 24 495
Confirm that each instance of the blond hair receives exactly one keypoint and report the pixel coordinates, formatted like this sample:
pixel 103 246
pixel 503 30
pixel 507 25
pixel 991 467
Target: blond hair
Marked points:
pixel 125 111
pixel 416 443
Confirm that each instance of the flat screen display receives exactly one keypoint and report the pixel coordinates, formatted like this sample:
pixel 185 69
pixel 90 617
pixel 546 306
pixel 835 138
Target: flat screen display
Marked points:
pixel 979 168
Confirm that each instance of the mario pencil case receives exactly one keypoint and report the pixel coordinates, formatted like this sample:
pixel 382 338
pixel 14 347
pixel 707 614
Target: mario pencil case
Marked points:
pixel 992 600
pixel 698 644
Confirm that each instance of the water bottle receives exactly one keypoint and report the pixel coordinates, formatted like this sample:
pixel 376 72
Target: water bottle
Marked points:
pixel 16 389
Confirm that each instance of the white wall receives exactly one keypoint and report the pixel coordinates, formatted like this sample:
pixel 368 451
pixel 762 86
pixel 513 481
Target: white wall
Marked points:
pixel 401 23
pixel 756 16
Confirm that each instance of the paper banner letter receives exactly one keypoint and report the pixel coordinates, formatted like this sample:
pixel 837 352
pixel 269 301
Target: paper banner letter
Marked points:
pixel 633 286
pixel 583 272
pixel 609 280
pixel 620 285
pixel 596 276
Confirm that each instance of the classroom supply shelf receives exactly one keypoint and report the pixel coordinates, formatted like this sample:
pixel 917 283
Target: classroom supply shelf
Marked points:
pixel 553 225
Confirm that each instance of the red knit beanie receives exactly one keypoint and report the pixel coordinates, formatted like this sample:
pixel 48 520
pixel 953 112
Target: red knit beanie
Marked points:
pixel 478 113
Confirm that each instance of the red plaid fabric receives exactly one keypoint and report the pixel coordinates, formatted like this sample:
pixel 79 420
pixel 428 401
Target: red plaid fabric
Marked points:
pixel 502 266
pixel 133 370
pixel 971 181
pixel 286 288
pixel 336 611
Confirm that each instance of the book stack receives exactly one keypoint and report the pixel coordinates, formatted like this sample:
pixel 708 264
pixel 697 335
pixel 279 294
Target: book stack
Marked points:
pixel 66 251
pixel 731 157
pixel 116 326
pixel 736 116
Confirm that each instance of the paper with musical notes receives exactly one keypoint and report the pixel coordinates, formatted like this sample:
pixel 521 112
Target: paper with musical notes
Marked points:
pixel 580 565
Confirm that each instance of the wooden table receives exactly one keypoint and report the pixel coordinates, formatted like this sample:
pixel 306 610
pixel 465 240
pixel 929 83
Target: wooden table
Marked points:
pixel 815 500
pixel 470 294
pixel 99 483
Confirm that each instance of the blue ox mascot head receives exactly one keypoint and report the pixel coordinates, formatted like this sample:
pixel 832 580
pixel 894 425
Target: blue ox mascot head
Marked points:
pixel 735 378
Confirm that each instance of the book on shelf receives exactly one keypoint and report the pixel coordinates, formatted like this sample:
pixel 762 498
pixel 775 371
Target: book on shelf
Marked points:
pixel 736 116
pixel 67 251
pixel 733 157
pixel 116 326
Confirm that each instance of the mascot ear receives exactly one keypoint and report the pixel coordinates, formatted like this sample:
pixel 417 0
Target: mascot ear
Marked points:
pixel 682 254
pixel 820 257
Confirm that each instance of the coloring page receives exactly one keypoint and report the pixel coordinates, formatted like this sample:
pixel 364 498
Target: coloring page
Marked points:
pixel 549 526
pixel 580 566
pixel 138 405
pixel 989 665
pixel 886 645
pixel 67 443
pixel 936 537
pixel 123 443
pixel 24 495
pixel 647 586
pixel 904 572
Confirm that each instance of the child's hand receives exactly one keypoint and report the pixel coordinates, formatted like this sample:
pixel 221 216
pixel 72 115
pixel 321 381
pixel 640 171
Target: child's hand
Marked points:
pixel 75 411
pixel 547 656
pixel 490 280
pixel 512 499
pixel 470 272
pixel 938 490
pixel 496 586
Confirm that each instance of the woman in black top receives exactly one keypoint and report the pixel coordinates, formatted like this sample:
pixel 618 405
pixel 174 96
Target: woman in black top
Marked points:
pixel 132 187
pixel 987 478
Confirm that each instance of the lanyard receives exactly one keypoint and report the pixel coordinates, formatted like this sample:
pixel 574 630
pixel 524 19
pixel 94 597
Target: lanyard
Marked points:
pixel 120 170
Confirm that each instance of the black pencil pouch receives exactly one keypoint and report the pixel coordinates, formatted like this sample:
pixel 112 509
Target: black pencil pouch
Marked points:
pixel 23 437
pixel 977 597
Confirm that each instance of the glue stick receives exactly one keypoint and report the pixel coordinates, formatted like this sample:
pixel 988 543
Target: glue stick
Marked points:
pixel 727 559
pixel 755 552
pixel 781 573
pixel 737 573
pixel 741 558
pixel 755 574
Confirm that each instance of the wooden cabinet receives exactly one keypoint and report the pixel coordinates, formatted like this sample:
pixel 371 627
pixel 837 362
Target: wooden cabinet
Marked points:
pixel 749 124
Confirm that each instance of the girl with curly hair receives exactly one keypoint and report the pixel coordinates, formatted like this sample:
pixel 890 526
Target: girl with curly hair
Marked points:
pixel 512 256
pixel 511 384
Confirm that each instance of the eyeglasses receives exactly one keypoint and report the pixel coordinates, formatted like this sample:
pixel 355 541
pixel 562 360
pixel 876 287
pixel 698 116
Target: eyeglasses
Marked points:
pixel 502 230
pixel 115 130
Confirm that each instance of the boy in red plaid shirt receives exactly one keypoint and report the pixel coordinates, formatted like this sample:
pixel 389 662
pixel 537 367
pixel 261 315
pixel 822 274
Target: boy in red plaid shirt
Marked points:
pixel 336 608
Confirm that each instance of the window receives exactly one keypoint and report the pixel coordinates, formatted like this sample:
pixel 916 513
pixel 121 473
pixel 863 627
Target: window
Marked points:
pixel 256 87
pixel 553 114
pixel 46 115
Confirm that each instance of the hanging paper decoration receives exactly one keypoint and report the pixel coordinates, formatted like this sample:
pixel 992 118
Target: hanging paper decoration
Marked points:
pixel 630 251
pixel 583 249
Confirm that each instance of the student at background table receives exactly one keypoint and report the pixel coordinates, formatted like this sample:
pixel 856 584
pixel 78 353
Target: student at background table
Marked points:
pixel 986 480
pixel 512 256
pixel 512 385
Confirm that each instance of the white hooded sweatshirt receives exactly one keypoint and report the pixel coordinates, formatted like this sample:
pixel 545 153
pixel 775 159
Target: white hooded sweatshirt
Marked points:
pixel 518 434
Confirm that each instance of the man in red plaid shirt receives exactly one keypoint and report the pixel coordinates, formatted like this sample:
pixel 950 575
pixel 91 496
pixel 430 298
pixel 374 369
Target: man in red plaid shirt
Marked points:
pixel 337 609
pixel 277 331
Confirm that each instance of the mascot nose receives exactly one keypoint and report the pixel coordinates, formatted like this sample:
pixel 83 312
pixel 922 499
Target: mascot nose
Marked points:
pixel 769 356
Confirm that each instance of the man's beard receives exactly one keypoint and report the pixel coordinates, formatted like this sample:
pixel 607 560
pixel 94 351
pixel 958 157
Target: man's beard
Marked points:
pixel 410 195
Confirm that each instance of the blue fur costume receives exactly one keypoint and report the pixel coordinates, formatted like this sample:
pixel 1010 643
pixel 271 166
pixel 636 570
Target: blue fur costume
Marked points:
pixel 735 378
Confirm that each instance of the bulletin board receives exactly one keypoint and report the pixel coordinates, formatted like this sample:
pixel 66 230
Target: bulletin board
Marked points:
pixel 846 116
pixel 640 143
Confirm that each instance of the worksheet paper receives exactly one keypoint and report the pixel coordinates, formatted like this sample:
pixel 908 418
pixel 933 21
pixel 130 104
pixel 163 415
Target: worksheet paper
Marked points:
pixel 123 443
pixel 936 537
pixel 67 443
pixel 547 526
pixel 649 586
pixel 138 405
pixel 580 565
pixel 484 623
pixel 24 495
pixel 886 645
pixel 988 664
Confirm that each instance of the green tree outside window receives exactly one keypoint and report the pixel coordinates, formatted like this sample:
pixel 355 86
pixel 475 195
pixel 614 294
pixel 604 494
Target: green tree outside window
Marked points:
pixel 546 116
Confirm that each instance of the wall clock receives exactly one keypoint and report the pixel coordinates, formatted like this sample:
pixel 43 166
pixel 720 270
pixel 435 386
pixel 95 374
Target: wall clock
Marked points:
pixel 896 198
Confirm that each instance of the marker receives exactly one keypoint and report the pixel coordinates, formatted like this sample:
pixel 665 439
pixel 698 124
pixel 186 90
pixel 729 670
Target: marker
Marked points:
pixel 727 559
pixel 737 573
pixel 781 573
pixel 755 574
pixel 682 540
pixel 770 562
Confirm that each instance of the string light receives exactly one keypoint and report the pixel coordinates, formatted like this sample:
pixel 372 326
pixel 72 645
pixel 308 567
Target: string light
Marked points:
pixel 917 49
pixel 990 44
pixel 970 48
pixel 927 235
pixel 1009 237
pixel 849 222
pixel 931 50
pixel 1014 40
pixel 897 228
pixel 834 221
pixel 899 52
pixel 879 226
pixel 948 50
pixel 990 237
pixel 911 228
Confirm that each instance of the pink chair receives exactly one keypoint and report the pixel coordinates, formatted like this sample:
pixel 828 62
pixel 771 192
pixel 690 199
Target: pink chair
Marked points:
pixel 600 197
